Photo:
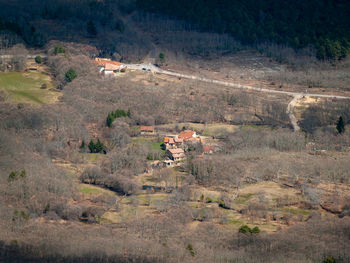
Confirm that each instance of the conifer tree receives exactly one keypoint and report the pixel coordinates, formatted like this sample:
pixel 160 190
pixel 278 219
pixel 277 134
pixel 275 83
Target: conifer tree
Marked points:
pixel 340 125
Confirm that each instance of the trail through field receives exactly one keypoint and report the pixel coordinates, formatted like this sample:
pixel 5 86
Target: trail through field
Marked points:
pixel 290 109
pixel 290 112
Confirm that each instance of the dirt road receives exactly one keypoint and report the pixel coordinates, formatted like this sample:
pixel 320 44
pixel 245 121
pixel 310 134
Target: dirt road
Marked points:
pixel 290 109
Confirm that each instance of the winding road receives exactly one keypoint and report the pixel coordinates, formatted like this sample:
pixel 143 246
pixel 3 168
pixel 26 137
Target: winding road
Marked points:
pixel 290 109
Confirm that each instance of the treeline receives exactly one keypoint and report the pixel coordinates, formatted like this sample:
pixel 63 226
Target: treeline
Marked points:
pixel 323 24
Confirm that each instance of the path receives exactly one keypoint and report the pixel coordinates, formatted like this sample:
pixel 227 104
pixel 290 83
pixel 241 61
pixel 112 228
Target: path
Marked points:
pixel 290 112
pixel 290 109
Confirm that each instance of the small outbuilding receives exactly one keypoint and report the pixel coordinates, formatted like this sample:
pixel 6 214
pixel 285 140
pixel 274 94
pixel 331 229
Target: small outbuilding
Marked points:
pixel 147 130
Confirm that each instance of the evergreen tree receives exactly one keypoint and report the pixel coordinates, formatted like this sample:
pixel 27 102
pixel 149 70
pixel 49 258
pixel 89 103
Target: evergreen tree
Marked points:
pixel 38 59
pixel 91 146
pixel 70 75
pixel 340 125
pixel 91 28
pixel 110 120
pixel 82 146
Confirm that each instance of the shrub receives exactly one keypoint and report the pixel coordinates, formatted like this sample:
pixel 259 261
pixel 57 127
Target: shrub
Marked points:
pixel 190 248
pixel 329 260
pixel 16 175
pixel 59 50
pixel 71 74
pixel 38 59
pixel 244 229
pixel 255 230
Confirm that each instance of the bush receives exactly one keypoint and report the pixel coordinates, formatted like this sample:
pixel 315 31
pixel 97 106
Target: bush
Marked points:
pixel 244 229
pixel 255 230
pixel 71 74
pixel 38 59
pixel 59 50
pixel 16 175
pixel 190 248
pixel 329 260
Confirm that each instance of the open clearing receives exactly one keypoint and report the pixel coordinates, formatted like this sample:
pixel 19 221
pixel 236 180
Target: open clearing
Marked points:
pixel 25 87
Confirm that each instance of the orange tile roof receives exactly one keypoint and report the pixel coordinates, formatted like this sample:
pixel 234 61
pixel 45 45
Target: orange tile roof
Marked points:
pixel 176 151
pixel 166 139
pixel 186 135
pixel 147 128
pixel 106 62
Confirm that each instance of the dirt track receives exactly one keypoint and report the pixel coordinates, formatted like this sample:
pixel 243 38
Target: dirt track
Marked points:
pixel 290 109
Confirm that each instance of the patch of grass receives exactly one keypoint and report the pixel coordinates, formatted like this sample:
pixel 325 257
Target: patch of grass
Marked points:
pixel 94 190
pixel 93 157
pixel 296 211
pixel 243 198
pixel 234 221
pixel 26 87
pixel 90 190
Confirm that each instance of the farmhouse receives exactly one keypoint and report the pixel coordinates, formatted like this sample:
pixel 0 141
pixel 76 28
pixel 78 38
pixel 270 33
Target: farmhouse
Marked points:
pixel 147 130
pixel 176 155
pixel 171 143
pixel 188 135
pixel 108 67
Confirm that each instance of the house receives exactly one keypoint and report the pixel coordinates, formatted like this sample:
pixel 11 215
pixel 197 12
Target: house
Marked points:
pixel 169 143
pixel 188 135
pixel 108 67
pixel 178 142
pixel 147 130
pixel 176 155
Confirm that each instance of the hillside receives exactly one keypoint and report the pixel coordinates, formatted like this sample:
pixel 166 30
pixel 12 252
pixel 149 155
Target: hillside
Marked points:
pixel 323 24
pixel 137 132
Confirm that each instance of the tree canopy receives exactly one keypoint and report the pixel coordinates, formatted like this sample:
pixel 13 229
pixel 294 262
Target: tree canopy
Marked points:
pixel 321 23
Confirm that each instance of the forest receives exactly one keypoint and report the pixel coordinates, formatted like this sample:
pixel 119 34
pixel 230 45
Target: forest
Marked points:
pixel 294 23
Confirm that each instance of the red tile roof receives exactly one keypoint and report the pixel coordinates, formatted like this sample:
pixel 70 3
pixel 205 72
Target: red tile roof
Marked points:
pixel 185 135
pixel 147 128
pixel 108 64
pixel 176 151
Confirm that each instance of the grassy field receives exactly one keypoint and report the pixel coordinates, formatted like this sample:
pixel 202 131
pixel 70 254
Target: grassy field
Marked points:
pixel 25 87
pixel 94 190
